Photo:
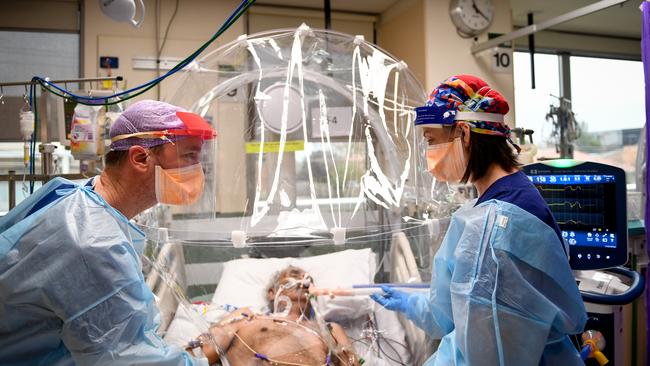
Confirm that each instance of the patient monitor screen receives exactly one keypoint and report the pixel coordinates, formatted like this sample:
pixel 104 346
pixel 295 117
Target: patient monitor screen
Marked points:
pixel 588 201
pixel 584 207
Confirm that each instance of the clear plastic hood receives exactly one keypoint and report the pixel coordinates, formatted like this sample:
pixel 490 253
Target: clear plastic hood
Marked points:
pixel 317 169
pixel 315 137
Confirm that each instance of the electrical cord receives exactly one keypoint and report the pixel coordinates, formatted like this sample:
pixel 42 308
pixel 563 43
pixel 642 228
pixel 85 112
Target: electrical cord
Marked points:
pixel 374 330
pixel 160 46
pixel 380 337
pixel 171 20
pixel 387 341
pixel 32 143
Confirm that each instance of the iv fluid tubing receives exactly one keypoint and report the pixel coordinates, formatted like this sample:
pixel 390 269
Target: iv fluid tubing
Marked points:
pixel 366 290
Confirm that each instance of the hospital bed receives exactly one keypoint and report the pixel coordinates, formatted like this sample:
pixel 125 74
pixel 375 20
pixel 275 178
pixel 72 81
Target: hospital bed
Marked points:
pixel 216 280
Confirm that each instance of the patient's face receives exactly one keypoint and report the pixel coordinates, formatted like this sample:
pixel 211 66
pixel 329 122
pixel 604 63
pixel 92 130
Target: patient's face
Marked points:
pixel 293 283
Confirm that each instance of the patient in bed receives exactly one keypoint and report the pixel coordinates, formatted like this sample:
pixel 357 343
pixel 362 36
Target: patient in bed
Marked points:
pixel 289 335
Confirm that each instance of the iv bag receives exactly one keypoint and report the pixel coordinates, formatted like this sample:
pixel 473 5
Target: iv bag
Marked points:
pixel 86 142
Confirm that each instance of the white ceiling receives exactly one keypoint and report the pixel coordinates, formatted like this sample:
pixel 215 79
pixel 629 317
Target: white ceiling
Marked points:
pixel 620 20
pixel 359 6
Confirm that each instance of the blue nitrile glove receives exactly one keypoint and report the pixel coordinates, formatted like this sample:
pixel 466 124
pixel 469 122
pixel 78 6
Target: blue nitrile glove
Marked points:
pixel 392 299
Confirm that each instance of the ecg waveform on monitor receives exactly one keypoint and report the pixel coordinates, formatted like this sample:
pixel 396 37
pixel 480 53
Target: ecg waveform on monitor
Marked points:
pixel 570 204
pixel 583 220
pixel 569 222
pixel 566 188
pixel 575 206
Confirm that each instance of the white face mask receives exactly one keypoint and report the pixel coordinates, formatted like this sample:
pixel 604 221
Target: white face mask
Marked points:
pixel 447 161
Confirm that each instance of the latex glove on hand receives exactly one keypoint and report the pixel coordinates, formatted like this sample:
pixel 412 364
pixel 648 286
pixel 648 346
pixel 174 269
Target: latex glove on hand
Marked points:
pixel 392 299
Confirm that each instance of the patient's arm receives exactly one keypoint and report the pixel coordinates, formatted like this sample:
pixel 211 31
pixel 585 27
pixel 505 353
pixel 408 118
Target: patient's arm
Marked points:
pixel 346 357
pixel 223 332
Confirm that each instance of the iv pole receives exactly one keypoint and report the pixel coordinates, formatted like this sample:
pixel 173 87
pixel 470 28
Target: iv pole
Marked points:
pixel 46 149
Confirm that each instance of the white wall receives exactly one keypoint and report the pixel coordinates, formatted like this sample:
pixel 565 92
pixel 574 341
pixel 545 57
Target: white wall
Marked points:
pixel 401 32
pixel 449 54
pixel 195 22
pixel 421 33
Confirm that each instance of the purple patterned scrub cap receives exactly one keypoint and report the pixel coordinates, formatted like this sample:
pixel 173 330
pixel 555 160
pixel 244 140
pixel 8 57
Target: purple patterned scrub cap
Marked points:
pixel 145 116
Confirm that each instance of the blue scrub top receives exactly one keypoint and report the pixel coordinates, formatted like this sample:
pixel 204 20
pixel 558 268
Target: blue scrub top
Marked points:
pixel 518 190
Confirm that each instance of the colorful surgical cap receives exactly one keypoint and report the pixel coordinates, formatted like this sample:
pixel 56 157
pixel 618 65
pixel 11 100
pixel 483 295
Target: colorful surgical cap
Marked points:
pixel 466 93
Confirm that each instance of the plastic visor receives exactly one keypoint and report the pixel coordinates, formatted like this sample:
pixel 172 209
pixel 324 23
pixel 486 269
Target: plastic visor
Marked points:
pixel 195 125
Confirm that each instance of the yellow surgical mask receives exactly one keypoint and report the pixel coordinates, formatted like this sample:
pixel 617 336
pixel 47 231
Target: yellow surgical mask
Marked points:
pixel 181 186
pixel 447 161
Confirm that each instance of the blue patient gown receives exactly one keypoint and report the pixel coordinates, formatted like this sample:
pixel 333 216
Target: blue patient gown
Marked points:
pixel 502 292
pixel 71 285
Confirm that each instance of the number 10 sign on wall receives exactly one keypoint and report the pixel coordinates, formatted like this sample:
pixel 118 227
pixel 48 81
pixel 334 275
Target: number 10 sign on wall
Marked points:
pixel 501 59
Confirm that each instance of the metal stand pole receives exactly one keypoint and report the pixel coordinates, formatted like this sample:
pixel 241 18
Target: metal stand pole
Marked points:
pixel 47 158
pixel 11 181
pixel 566 147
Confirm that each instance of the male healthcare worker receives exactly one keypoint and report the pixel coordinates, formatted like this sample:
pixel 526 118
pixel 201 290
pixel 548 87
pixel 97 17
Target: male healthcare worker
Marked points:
pixel 502 292
pixel 71 285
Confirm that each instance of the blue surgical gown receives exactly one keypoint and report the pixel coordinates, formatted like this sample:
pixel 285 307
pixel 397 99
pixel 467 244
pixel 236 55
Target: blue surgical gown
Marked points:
pixel 502 291
pixel 71 285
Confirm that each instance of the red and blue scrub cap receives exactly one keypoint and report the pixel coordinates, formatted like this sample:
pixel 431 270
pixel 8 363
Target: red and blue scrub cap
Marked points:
pixel 149 123
pixel 469 99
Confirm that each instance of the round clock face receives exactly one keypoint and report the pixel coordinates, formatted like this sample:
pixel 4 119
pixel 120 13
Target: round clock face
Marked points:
pixel 471 17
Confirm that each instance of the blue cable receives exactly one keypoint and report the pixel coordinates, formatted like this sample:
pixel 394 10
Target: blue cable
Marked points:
pixel 32 141
pixel 171 72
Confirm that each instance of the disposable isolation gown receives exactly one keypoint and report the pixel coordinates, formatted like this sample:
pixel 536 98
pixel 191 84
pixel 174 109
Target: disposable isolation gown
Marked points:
pixel 71 285
pixel 502 292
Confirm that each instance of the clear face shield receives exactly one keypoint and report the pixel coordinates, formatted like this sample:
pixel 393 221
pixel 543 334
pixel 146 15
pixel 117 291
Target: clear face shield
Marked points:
pixel 439 134
pixel 317 165
pixel 446 155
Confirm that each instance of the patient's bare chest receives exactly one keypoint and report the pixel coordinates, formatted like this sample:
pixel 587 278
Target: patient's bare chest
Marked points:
pixel 276 340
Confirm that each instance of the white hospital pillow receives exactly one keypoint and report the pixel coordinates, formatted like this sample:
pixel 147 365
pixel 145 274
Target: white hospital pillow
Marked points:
pixel 244 281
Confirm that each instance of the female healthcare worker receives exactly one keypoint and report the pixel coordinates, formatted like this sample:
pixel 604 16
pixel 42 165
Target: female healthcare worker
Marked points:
pixel 71 283
pixel 502 291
